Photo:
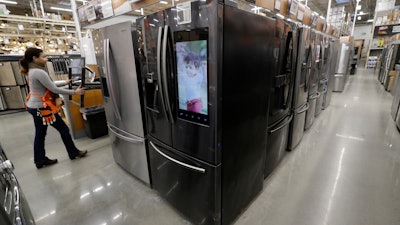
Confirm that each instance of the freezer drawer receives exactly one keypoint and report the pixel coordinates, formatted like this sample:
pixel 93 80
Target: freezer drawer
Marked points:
pixel 129 151
pixel 277 142
pixel 3 105
pixel 191 186
pixel 297 126
pixel 312 101
pixel 6 74
pixel 13 97
pixel 339 81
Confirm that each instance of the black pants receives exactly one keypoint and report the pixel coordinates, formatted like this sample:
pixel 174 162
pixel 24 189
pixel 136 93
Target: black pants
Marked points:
pixel 40 135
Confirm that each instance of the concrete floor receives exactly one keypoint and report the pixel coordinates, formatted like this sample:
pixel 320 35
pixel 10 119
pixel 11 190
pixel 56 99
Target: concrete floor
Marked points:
pixel 345 171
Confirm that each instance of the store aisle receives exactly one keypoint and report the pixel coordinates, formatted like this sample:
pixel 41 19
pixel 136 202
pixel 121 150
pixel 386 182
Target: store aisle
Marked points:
pixel 346 170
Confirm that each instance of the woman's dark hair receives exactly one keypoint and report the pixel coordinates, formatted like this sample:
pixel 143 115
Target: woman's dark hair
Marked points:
pixel 28 58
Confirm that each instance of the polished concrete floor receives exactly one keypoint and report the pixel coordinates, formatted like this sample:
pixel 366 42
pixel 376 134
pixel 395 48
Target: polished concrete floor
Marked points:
pixel 346 171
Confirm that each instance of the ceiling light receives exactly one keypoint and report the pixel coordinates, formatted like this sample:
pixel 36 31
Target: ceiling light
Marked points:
pixel 370 21
pixel 358 7
pixel 358 17
pixel 61 9
pixel 163 2
pixel 8 2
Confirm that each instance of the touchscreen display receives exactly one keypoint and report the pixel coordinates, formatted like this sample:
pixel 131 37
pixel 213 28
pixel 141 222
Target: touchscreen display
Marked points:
pixel 191 58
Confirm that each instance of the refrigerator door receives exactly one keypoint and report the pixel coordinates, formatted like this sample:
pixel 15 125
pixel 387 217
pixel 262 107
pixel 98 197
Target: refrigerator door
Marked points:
pixel 300 92
pixel 122 102
pixel 159 119
pixel 343 58
pixel 312 101
pixel 283 81
pixel 194 64
pixel 192 186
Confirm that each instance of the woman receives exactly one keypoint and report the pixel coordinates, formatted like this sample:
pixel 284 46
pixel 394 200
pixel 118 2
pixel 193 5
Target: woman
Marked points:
pixel 33 65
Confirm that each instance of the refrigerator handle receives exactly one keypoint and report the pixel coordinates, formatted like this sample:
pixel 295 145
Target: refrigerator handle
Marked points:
pixel 164 74
pixel 305 108
pixel 282 126
pixel 117 131
pixel 160 80
pixel 195 168
pixel 108 76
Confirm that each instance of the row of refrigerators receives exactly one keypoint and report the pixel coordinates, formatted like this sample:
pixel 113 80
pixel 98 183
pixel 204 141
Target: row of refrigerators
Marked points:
pixel 202 106
pixel 388 76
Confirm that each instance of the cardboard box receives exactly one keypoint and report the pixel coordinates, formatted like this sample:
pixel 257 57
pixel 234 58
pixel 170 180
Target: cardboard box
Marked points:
pixel 293 8
pixel 392 78
pixel 300 12
pixel 346 39
pixel 268 4
pixel 307 17
pixel 284 7
pixel 320 24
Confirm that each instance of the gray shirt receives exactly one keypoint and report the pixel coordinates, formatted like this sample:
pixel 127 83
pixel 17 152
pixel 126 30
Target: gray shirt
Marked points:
pixel 39 81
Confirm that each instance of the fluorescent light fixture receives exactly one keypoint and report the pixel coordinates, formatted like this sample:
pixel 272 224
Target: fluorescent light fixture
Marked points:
pixel 164 2
pixel 361 12
pixel 61 9
pixel 20 27
pixel 137 10
pixel 370 21
pixel 8 2
pixel 358 7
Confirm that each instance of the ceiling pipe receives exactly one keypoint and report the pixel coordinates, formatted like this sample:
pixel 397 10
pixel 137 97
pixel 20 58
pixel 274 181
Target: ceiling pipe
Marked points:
pixel 41 7
pixel 354 18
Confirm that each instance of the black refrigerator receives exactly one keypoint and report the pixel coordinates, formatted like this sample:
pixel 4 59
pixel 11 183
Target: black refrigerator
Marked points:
pixel 206 72
pixel 279 113
pixel 300 88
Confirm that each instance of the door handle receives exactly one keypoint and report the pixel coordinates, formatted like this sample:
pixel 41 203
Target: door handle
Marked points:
pixel 195 168
pixel 108 76
pixel 164 74
pixel 123 136
pixel 160 83
pixel 282 126
pixel 305 108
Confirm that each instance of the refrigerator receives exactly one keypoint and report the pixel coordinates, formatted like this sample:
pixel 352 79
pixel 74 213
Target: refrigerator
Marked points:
pixel 342 67
pixel 331 62
pixel 207 84
pixel 313 80
pixel 279 113
pixel 117 58
pixel 14 207
pixel 300 87
pixel 323 78
pixel 396 99
pixel 382 63
pixel 392 58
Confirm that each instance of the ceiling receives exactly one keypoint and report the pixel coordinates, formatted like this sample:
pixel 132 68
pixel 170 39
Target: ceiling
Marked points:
pixel 319 6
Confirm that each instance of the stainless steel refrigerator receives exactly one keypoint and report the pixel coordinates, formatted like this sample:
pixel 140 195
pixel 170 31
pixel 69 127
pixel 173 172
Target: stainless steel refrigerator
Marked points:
pixel 332 62
pixel 342 67
pixel 382 64
pixel 313 81
pixel 123 96
pixel 323 72
pixel 206 69
pixel 279 113
pixel 392 58
pixel 300 88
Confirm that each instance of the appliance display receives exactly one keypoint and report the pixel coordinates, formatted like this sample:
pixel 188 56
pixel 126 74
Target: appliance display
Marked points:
pixel 313 81
pixel 191 58
pixel 123 97
pixel 279 113
pixel 342 67
pixel 210 170
pixel 300 88
pixel 382 63
pixel 323 69
pixel 392 58
pixel 396 99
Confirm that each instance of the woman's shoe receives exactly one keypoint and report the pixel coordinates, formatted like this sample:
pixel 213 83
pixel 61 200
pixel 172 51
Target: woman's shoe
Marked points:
pixel 48 162
pixel 80 155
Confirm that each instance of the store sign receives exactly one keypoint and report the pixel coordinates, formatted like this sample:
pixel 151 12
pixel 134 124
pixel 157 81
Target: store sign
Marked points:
pixel 386 30
pixel 95 11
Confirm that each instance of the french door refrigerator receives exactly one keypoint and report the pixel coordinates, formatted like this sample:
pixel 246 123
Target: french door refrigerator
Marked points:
pixel 300 88
pixel 313 80
pixel 382 64
pixel 206 69
pixel 393 58
pixel 123 96
pixel 331 62
pixel 279 113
